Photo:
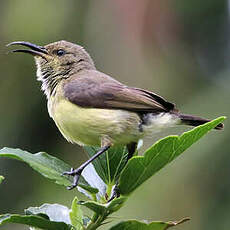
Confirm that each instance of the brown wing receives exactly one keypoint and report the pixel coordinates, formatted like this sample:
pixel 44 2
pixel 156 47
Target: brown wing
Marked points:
pixel 105 92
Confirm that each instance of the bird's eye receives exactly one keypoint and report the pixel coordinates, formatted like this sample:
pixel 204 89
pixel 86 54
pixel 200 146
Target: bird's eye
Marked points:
pixel 60 52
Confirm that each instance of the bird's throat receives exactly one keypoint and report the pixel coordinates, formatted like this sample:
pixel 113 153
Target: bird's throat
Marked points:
pixel 49 78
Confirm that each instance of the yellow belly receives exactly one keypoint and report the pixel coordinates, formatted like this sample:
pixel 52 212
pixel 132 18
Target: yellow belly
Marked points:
pixel 87 126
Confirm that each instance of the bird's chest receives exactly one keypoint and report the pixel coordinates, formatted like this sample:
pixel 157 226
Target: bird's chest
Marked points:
pixel 73 121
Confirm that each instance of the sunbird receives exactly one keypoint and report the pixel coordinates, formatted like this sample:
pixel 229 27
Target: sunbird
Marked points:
pixel 92 108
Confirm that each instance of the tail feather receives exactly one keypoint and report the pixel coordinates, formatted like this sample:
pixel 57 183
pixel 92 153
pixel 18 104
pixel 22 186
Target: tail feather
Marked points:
pixel 195 121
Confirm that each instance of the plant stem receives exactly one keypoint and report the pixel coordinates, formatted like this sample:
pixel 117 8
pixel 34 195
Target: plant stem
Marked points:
pixel 94 225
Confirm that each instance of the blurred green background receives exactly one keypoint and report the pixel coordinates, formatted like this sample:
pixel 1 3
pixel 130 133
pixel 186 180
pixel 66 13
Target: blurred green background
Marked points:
pixel 178 49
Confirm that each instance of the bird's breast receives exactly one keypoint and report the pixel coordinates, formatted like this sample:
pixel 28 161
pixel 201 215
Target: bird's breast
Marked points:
pixel 87 126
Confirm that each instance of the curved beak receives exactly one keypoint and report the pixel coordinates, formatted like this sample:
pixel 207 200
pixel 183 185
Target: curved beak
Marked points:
pixel 35 50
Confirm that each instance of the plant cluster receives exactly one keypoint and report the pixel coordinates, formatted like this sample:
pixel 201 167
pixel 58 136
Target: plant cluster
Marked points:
pixel 98 181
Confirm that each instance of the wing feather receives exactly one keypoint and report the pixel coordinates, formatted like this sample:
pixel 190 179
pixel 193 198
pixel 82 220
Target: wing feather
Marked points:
pixel 101 91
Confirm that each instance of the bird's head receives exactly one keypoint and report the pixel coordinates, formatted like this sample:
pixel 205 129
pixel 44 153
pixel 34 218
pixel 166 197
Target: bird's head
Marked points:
pixel 56 61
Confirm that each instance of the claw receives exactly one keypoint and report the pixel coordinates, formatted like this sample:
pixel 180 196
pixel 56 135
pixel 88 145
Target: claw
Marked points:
pixel 77 172
pixel 72 172
pixel 76 176
pixel 68 174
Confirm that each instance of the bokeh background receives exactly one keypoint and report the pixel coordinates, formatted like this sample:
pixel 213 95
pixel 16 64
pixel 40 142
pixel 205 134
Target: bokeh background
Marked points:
pixel 178 49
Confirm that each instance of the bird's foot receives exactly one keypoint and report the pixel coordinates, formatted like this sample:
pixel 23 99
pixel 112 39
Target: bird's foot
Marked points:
pixel 115 193
pixel 76 173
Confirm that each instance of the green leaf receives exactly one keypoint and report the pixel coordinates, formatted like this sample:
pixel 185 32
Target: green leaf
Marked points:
pixel 88 188
pixel 140 168
pixel 76 215
pixel 116 204
pixel 47 165
pixel 1 179
pixel 55 212
pixel 136 225
pixel 110 164
pixel 98 208
pixel 34 221
pixel 104 209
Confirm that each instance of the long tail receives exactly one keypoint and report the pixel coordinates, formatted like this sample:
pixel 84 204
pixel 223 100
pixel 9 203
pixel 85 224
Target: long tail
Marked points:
pixel 195 121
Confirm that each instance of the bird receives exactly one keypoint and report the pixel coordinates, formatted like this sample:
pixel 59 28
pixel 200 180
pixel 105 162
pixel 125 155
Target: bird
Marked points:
pixel 90 108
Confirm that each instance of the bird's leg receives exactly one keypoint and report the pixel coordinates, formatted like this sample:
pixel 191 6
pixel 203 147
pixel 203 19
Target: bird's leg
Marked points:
pixel 131 150
pixel 115 193
pixel 76 173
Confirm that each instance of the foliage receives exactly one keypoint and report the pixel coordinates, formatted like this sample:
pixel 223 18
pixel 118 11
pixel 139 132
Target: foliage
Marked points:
pixel 1 179
pixel 98 182
pixel 156 225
